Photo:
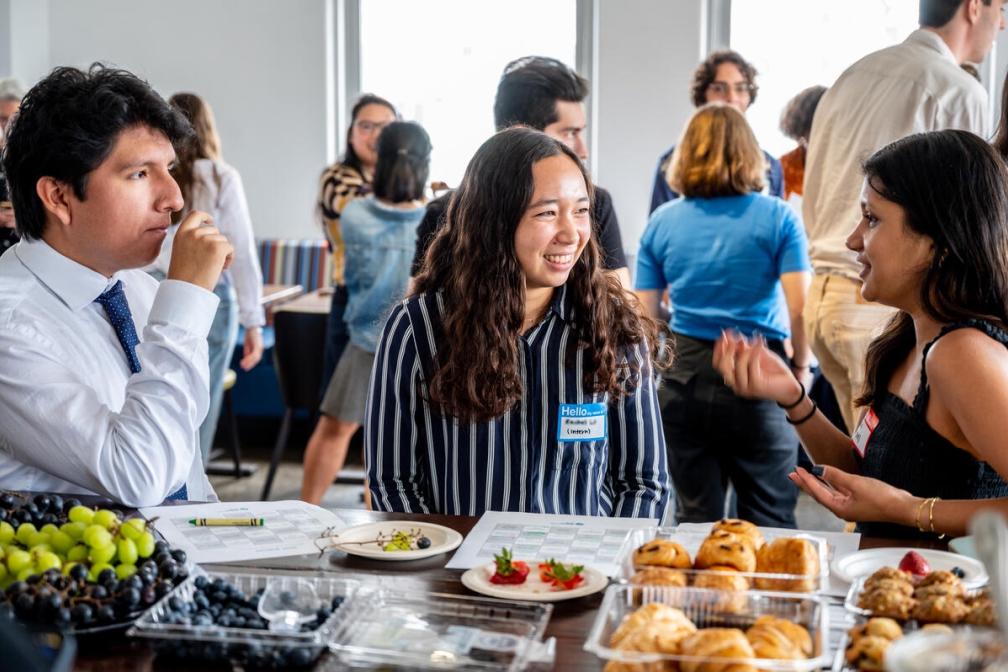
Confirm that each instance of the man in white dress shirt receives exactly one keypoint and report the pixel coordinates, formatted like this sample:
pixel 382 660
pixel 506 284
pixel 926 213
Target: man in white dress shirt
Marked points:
pixel 103 372
pixel 913 87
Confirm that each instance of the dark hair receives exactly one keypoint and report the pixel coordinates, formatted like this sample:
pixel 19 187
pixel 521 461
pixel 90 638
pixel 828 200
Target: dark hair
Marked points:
pixel 403 162
pixel 472 261
pixel 206 144
pixel 936 13
pixel 796 119
pixel 529 89
pixel 953 188
pixel 68 124
pixel 350 157
pixel 707 71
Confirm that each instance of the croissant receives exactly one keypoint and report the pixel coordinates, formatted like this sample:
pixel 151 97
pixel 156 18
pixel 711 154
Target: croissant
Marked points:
pixel 716 643
pixel 788 555
pixel 773 637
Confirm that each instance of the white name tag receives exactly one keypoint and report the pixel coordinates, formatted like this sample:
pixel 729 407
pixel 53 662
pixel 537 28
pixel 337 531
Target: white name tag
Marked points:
pixel 582 422
pixel 864 431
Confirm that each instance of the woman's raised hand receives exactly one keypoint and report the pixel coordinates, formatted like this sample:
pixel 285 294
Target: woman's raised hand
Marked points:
pixel 750 369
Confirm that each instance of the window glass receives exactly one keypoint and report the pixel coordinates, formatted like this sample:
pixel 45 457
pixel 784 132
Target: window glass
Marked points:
pixel 439 62
pixel 795 44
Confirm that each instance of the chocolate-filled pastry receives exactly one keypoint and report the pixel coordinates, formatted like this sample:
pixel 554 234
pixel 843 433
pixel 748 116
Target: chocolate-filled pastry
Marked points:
pixel 887 603
pixel 743 528
pixel 773 637
pixel 788 555
pixel 662 553
pixel 733 599
pixel 659 576
pixel 937 608
pixel 716 643
pixel 888 574
pixel 725 548
pixel 868 653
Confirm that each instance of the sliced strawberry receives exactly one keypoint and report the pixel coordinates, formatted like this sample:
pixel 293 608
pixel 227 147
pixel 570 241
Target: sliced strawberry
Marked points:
pixel 509 571
pixel 915 563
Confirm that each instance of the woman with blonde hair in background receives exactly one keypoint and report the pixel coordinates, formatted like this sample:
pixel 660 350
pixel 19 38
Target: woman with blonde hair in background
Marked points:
pixel 210 185
pixel 731 258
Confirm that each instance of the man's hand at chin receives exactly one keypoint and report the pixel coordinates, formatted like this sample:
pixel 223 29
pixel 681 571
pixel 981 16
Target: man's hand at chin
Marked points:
pixel 200 252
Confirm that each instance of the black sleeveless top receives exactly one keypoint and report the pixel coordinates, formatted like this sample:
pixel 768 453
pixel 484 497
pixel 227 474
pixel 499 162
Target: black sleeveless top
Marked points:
pixel 905 452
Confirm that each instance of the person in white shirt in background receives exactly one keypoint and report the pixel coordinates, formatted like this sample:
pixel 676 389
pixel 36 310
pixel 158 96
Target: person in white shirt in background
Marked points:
pixel 912 87
pixel 210 185
pixel 85 405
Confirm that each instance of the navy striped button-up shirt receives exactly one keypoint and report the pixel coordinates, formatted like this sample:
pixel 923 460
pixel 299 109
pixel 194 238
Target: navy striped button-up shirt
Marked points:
pixel 421 461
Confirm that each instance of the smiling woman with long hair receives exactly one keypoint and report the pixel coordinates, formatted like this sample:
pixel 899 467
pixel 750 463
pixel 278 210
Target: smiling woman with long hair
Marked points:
pixel 932 242
pixel 519 376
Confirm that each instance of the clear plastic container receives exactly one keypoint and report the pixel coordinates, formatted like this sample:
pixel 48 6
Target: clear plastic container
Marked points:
pixel 856 588
pixel 421 631
pixel 691 541
pixel 154 623
pixel 707 608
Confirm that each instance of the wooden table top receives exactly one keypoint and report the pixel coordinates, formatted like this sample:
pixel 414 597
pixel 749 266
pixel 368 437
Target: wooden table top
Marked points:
pixel 316 303
pixel 569 623
pixel 276 294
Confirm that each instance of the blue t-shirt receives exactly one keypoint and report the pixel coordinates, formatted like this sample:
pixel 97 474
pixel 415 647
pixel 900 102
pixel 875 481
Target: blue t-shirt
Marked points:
pixel 721 259
pixel 380 241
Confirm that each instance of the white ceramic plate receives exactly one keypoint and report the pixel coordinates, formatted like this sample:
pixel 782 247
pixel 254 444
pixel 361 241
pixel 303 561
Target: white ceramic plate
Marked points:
pixel 964 546
pixel 864 563
pixel 477 580
pixel 443 539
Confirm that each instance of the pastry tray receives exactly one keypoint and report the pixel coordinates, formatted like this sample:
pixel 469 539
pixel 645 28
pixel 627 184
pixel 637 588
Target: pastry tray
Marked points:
pixel 857 587
pixel 153 623
pixel 691 541
pixel 394 629
pixel 704 606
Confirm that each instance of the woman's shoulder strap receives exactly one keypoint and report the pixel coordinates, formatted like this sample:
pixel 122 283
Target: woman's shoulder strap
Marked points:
pixel 986 326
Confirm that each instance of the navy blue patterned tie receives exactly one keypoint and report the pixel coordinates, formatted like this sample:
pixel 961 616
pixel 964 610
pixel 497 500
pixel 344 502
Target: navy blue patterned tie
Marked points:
pixel 113 300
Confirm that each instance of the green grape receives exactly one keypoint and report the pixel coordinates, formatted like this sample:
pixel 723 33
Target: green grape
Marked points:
pixel 48 528
pixel 78 553
pixel 127 552
pixel 81 514
pixel 47 560
pixel 102 554
pixel 18 560
pixel 3 552
pixel 23 532
pixel 125 571
pixel 145 545
pixel 105 518
pixel 3 573
pixel 74 530
pixel 25 573
pixel 132 528
pixel 61 542
pixel 38 539
pixel 96 536
pixel 97 569
pixel 6 532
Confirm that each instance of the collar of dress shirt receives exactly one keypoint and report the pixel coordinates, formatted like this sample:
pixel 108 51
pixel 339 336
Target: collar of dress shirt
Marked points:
pixel 931 40
pixel 560 305
pixel 77 286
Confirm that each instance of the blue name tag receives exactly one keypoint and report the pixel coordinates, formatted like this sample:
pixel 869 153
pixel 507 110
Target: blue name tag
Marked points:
pixel 582 422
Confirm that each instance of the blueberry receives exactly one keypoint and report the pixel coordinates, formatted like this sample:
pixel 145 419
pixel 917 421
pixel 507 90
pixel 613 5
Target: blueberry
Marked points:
pixel 7 501
pixel 200 582
pixel 107 577
pixel 79 572
pixel 958 571
pixel 423 542
pixel 55 503
pixel 179 555
pixel 81 614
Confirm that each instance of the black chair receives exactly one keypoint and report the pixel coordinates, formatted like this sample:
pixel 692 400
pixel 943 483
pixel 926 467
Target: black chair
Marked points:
pixel 297 358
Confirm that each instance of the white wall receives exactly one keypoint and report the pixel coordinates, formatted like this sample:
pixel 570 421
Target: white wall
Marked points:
pixel 645 60
pixel 260 63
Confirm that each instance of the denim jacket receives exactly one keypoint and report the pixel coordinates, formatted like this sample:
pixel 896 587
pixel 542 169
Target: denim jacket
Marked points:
pixel 380 241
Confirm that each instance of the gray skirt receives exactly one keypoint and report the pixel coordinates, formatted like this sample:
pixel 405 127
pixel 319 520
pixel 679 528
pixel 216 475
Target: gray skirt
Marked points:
pixel 346 396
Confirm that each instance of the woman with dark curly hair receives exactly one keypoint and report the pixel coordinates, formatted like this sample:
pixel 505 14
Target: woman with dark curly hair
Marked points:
pixel 519 377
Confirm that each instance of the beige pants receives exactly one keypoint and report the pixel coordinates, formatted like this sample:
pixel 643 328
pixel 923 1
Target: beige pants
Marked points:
pixel 840 325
